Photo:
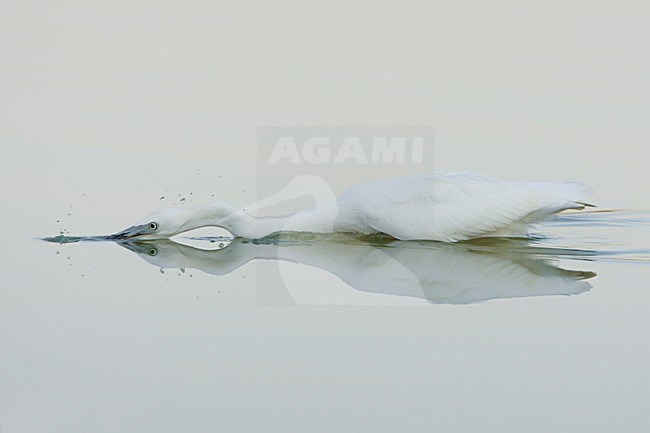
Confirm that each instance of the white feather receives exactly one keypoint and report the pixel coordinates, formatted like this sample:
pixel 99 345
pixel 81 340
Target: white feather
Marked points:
pixel 454 206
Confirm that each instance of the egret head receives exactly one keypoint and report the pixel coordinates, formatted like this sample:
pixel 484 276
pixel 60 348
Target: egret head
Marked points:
pixel 172 221
pixel 159 225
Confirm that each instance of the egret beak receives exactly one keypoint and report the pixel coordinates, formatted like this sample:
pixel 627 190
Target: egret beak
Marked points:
pixel 131 232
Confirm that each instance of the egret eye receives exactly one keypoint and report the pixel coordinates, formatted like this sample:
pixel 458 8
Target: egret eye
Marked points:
pixel 153 226
pixel 153 252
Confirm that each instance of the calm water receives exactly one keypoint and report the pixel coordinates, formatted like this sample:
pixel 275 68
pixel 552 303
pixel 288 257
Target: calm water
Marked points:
pixel 164 335
pixel 269 335
pixel 110 111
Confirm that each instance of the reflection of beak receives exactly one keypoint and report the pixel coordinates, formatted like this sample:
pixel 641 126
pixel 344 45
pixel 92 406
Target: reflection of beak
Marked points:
pixel 129 233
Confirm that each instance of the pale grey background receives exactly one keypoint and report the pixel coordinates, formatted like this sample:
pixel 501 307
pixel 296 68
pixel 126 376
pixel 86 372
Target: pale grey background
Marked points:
pixel 106 106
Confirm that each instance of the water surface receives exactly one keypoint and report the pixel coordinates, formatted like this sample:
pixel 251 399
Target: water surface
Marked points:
pixel 438 272
pixel 108 112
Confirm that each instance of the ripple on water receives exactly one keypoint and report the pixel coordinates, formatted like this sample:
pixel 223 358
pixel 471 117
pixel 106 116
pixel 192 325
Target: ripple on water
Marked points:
pixel 611 235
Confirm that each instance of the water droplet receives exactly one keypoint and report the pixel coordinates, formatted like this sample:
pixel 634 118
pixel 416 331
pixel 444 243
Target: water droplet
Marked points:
pixel 162 197
pixel 221 245
pixel 162 270
pixel 183 270
pixel 58 252
pixel 58 221
pixel 68 213
pixel 183 200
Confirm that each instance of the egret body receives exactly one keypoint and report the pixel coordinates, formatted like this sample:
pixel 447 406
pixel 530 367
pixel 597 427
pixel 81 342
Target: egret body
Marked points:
pixel 444 207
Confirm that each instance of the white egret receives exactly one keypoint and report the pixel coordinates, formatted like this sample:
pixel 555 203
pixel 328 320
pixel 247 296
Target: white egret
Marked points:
pixel 444 207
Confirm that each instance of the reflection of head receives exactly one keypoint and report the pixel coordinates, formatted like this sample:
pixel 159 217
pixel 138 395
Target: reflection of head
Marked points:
pixel 167 254
pixel 440 273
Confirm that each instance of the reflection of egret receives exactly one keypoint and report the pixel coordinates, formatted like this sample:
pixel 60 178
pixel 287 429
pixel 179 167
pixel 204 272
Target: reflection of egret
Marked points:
pixel 440 273
pixel 449 207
